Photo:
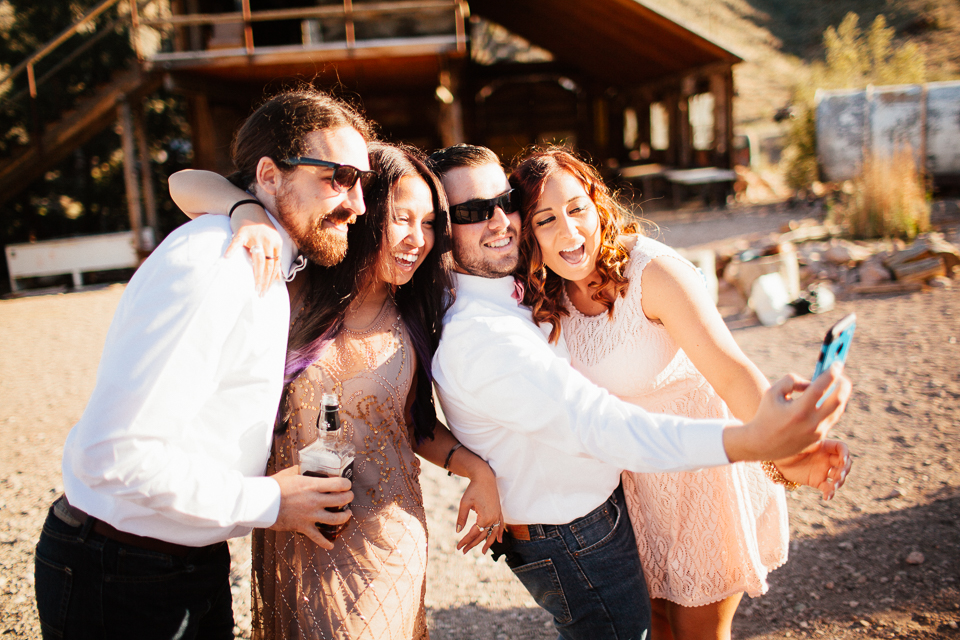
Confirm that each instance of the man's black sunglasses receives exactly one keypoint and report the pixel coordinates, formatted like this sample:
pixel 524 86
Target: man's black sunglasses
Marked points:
pixel 344 175
pixel 480 210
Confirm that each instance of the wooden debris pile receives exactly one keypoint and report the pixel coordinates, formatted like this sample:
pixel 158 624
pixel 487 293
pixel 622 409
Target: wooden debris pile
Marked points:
pixel 808 255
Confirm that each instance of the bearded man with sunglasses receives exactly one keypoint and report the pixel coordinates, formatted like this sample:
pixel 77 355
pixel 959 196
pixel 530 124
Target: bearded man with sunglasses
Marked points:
pixel 167 461
pixel 556 441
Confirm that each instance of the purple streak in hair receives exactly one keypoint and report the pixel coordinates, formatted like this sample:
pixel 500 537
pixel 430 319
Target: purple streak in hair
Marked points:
pixel 299 359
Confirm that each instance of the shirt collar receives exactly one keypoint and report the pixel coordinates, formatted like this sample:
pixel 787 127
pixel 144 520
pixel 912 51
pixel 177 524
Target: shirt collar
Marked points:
pixel 497 289
pixel 291 261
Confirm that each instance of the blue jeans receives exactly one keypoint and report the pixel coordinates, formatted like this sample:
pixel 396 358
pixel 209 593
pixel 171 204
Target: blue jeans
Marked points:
pixel 89 586
pixel 587 574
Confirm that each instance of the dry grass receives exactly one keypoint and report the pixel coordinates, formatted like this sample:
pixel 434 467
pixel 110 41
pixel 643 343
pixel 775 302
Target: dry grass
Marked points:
pixel 888 199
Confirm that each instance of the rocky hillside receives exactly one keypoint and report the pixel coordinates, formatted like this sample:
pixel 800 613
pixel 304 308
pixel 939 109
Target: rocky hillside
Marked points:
pixel 778 38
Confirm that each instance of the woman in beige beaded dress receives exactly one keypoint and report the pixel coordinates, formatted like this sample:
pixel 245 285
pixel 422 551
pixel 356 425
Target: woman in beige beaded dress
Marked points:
pixel 638 321
pixel 366 330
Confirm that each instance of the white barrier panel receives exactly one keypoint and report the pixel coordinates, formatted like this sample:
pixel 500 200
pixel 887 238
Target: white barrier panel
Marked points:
pixel 925 117
pixel 71 255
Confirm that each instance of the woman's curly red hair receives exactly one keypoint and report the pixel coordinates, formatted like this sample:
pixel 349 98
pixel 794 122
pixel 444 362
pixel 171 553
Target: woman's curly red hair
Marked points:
pixel 543 289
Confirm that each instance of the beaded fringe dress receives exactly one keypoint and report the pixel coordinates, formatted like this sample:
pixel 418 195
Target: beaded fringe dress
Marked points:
pixel 702 535
pixel 371 585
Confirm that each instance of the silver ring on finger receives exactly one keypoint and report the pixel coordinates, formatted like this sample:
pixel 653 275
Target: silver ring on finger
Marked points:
pixel 256 249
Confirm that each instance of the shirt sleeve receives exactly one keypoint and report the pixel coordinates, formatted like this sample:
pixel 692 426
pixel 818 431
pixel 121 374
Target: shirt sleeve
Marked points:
pixel 150 436
pixel 506 372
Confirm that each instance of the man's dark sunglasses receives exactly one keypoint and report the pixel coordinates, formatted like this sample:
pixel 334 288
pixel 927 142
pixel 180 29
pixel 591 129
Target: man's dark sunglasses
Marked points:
pixel 481 210
pixel 344 175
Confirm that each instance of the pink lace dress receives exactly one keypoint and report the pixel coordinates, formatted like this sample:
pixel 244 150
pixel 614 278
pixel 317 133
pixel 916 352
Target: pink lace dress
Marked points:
pixel 702 535
pixel 371 585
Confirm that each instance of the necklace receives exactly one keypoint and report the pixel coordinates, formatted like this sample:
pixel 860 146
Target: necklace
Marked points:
pixel 355 312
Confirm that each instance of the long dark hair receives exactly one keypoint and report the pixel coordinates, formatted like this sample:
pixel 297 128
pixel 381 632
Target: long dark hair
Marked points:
pixel 421 302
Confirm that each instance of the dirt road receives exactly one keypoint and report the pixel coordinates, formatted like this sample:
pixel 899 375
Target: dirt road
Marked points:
pixel 855 568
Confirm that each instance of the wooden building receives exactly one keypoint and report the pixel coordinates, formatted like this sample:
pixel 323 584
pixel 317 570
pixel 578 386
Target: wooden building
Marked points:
pixel 622 83
pixel 613 78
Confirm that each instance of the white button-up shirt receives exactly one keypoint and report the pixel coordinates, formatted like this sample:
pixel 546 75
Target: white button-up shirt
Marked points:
pixel 174 441
pixel 556 441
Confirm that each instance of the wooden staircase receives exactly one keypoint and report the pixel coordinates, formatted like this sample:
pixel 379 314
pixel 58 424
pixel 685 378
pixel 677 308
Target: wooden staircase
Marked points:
pixel 89 117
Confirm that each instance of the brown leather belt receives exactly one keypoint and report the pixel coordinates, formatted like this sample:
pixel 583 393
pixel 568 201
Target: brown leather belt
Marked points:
pixel 519 531
pixel 75 517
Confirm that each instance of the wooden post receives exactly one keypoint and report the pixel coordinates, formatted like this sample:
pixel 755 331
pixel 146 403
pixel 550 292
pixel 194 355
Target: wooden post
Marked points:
pixel 196 40
pixel 247 27
pixel 135 29
pixel 204 135
pixel 688 87
pixel 146 179
pixel 130 170
pixel 672 104
pixel 460 15
pixel 34 110
pixel 450 120
pixel 348 23
pixel 722 136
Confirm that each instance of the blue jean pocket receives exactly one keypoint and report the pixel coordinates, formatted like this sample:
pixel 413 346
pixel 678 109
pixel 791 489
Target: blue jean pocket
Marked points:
pixel 595 530
pixel 53 585
pixel 541 580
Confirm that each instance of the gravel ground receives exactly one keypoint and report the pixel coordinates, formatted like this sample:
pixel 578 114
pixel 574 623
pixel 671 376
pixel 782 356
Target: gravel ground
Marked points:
pixel 880 561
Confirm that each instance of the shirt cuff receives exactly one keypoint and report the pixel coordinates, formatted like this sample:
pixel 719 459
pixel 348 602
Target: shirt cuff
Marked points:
pixel 261 502
pixel 704 442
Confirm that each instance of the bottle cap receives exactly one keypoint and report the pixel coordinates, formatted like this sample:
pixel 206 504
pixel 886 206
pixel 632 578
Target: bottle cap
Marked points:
pixel 330 399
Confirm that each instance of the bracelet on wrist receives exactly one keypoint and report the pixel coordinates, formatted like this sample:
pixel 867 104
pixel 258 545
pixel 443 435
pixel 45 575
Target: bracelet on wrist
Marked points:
pixel 241 203
pixel 446 463
pixel 776 476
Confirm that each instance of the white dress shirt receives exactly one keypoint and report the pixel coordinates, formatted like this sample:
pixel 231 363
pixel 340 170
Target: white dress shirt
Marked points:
pixel 175 439
pixel 556 441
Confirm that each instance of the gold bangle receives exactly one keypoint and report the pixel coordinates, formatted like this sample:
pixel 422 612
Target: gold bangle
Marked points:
pixel 776 477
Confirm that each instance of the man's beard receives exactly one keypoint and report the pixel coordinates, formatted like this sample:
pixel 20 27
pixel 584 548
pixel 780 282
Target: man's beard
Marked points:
pixel 325 247
pixel 476 265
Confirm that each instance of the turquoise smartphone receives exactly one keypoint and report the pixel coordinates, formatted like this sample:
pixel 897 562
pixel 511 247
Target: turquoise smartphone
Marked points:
pixel 836 344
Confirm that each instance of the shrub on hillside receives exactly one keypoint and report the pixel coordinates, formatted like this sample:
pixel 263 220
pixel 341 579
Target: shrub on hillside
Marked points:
pixel 888 199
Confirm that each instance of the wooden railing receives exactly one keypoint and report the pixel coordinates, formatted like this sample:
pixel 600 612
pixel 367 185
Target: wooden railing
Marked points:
pixel 348 12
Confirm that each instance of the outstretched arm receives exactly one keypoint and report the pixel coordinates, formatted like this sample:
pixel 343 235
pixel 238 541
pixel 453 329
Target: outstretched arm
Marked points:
pixel 674 294
pixel 198 192
pixel 492 358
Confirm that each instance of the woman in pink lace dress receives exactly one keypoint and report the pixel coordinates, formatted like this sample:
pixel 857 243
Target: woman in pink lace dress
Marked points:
pixel 365 330
pixel 638 321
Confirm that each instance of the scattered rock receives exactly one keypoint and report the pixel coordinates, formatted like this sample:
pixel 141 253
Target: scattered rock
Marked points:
pixel 915 557
pixel 872 272
pixel 842 252
pixel 846 546
pixel 940 282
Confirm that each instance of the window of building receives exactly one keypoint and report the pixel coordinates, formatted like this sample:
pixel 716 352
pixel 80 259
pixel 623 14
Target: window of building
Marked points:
pixel 701 120
pixel 659 127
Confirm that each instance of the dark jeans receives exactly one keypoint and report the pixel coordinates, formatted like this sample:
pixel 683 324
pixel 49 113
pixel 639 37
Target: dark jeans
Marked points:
pixel 586 573
pixel 89 586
